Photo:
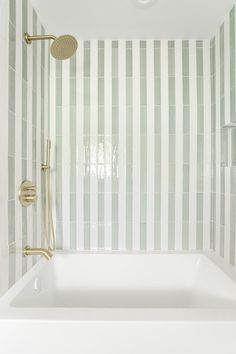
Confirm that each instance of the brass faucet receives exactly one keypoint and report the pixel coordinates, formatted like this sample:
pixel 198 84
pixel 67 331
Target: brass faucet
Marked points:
pixel 28 251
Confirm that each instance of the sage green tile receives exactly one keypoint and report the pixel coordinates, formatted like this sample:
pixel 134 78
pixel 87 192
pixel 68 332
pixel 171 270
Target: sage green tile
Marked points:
pixel 73 235
pixel 171 213
pixel 12 4
pixel 100 92
pixel 11 222
pixel 11 90
pixel 73 121
pixel 157 119
pixel 129 179
pixel 143 236
pixel 199 207
pixel 200 177
pixel 222 240
pixel 100 208
pixel 186 91
pixel 157 91
pixel 185 237
pixel 101 233
pixel 87 207
pixel 199 241
pixel 12 45
pixel 101 62
pixel 11 134
pixel 24 16
pixel 224 147
pixel 72 91
pixel 186 145
pixel 157 236
pixel 171 236
pixel 114 208
pixel 12 265
pixel 200 119
pixel 200 62
pixel 59 244
pixel 143 91
pixel 186 207
pixel 87 241
pixel 87 120
pixel 100 120
pixel 87 62
pixel 200 148
pixel 157 179
pixel 129 63
pixel 129 240
pixel 24 61
pixel 129 207
pixel 129 120
pixel 87 92
pixel 171 62
pixel 157 207
pixel 185 53
pixel 115 120
pixel 115 62
pixel 115 94
pixel 58 91
pixel 171 148
pixel 143 120
pixel 171 119
pixel 172 178
pixel 73 66
pixel 73 207
pixel 157 62
pixel 143 207
pixel 186 119
pixel 185 178
pixel 143 63
pixel 233 147
pixel 129 91
pixel 158 149
pixel 11 177
pixel 200 85
pixel 115 236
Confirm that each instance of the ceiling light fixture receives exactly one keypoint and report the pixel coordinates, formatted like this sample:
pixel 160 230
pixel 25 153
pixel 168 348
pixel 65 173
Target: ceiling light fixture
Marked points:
pixel 144 3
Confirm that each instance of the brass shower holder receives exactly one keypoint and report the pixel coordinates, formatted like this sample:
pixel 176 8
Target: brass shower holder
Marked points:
pixel 27 193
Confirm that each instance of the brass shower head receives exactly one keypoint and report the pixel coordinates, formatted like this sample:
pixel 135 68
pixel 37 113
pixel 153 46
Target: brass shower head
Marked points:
pixel 63 47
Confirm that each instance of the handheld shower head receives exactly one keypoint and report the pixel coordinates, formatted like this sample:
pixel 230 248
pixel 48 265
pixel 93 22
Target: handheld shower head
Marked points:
pixel 63 47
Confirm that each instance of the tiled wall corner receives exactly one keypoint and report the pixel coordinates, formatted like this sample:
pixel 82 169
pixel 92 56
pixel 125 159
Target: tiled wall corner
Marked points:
pixel 23 77
pixel 223 80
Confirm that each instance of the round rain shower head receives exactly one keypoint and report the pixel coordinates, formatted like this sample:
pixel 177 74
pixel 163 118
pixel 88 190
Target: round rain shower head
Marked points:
pixel 63 47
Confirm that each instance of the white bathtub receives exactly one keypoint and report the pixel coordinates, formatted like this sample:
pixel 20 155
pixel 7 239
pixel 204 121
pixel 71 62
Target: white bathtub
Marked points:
pixel 122 304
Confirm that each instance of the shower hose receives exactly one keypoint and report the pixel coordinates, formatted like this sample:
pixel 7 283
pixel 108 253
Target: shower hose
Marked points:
pixel 49 231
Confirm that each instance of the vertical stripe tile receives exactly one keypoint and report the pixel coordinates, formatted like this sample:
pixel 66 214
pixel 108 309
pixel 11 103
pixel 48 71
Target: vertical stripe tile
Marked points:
pixel 164 144
pixel 136 143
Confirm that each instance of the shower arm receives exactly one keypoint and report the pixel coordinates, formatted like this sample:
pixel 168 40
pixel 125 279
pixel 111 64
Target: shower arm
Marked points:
pixel 29 38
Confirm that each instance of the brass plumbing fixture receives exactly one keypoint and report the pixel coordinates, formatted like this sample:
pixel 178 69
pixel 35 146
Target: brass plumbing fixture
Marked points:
pixel 49 231
pixel 28 251
pixel 63 47
pixel 27 193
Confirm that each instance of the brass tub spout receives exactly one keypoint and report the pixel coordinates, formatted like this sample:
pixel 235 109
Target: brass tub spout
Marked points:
pixel 28 251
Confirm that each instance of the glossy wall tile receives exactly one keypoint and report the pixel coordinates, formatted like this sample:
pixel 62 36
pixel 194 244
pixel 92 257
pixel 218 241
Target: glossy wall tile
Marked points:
pixel 132 129
pixel 223 79
pixel 24 108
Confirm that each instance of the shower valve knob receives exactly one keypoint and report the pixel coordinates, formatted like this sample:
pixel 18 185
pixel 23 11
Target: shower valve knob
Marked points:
pixel 27 193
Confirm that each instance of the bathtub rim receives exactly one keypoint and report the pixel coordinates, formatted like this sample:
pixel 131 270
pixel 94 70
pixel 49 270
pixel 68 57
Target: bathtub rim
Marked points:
pixel 170 315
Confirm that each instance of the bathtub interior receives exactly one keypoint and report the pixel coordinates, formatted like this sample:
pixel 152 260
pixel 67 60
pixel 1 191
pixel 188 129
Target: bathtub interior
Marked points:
pixel 190 281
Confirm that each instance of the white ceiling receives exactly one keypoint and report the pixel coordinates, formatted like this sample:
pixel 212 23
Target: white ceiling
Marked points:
pixel 103 19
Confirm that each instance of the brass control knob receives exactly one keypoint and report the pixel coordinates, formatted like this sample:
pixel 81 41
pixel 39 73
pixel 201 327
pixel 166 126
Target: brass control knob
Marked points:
pixel 27 193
